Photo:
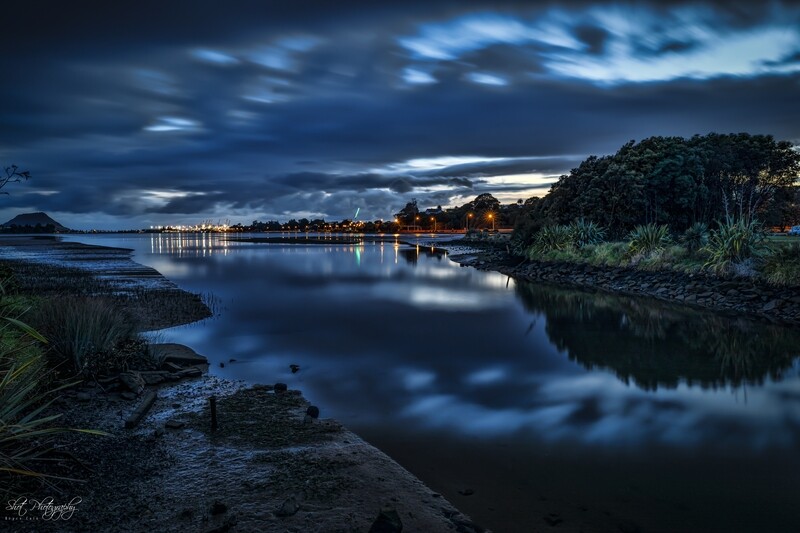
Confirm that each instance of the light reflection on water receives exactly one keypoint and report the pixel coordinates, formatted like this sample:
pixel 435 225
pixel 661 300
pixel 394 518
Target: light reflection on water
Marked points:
pixel 393 336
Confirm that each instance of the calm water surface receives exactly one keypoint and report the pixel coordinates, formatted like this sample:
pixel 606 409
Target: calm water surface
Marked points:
pixel 554 406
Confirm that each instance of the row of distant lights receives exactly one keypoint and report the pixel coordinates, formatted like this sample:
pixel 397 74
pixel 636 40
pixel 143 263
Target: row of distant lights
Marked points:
pixel 196 227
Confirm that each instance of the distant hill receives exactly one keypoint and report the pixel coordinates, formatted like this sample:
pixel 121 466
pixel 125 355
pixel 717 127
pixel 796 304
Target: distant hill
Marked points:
pixel 29 221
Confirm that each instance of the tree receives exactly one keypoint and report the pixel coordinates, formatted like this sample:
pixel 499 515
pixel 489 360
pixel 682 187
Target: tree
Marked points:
pixel 13 175
pixel 408 215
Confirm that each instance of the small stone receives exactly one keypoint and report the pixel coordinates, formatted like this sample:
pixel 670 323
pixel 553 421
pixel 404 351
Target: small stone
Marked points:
pixel 128 395
pixel 83 397
pixel 288 508
pixel 388 521
pixel 176 405
pixel 313 411
pixel 132 381
pixel 222 365
pixel 281 387
pixel 174 424
pixel 553 519
pixel 218 508
pixel 294 368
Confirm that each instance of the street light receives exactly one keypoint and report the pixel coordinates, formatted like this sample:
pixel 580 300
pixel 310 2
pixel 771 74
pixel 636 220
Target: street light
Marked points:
pixel 433 219
pixel 416 219
pixel 491 217
pixel 466 224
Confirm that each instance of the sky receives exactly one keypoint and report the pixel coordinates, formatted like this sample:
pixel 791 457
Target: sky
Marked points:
pixel 130 114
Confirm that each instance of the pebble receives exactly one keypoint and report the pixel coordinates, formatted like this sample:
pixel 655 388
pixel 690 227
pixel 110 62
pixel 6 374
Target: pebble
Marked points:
pixel 218 508
pixel 288 508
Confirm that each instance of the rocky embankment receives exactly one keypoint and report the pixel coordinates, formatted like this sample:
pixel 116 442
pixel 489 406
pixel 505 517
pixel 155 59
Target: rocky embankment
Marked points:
pixel 723 294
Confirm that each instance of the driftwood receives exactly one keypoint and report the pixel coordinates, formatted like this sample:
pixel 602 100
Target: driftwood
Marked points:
pixel 141 411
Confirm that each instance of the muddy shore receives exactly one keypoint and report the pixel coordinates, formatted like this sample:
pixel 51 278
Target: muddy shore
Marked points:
pixel 267 467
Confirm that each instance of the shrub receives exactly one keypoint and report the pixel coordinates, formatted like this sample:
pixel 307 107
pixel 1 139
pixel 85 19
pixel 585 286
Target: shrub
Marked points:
pixel 90 334
pixel 583 233
pixel 550 238
pixel 25 429
pixel 782 266
pixel 608 254
pixel 647 239
pixel 733 245
pixel 695 237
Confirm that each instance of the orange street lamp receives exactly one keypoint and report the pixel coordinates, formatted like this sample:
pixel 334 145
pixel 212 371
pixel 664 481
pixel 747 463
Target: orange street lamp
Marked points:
pixel 433 219
pixel 491 217
pixel 466 224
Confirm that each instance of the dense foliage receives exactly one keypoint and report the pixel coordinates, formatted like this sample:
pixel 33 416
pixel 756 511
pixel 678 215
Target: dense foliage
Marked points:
pixel 679 182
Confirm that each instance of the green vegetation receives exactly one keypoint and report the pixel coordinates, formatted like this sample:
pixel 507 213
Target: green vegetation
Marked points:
pixel 26 392
pixel 648 239
pixel 657 200
pixel 89 335
pixel 735 244
pixel 679 182
pixel 696 237
pixel 782 266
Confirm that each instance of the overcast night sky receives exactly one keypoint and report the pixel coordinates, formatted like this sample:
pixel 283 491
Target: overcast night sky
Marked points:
pixel 173 112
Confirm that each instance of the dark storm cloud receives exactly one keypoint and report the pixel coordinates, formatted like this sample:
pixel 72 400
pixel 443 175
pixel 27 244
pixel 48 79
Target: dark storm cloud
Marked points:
pixel 271 109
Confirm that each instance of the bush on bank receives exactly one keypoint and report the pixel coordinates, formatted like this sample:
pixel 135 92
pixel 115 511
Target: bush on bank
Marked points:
pixel 733 248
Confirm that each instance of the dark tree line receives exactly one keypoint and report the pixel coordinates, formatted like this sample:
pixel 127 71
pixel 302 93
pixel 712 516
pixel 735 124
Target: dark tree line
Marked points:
pixel 677 181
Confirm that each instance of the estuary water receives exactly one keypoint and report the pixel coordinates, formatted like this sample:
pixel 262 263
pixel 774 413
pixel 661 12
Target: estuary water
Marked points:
pixel 530 407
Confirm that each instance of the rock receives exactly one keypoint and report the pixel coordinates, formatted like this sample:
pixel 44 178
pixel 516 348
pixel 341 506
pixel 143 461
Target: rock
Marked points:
pixel 288 508
pixel 177 353
pixel 294 368
pixel 171 367
pixel 222 365
pixel 132 381
pixel 388 521
pixel 105 380
pixel 153 379
pixel 224 527
pixel 83 397
pixel 281 387
pixel 552 519
pixel 308 420
pixel 191 372
pixel 218 508
pixel 771 305
pixel 128 395
pixel 174 424
pixel 313 411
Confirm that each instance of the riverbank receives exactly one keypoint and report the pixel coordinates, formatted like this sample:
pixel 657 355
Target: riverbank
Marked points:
pixel 267 467
pixel 729 295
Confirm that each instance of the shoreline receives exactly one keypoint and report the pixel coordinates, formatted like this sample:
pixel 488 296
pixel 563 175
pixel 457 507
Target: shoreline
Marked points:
pixel 172 473
pixel 739 297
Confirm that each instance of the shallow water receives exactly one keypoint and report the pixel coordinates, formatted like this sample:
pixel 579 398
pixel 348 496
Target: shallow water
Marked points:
pixel 552 406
